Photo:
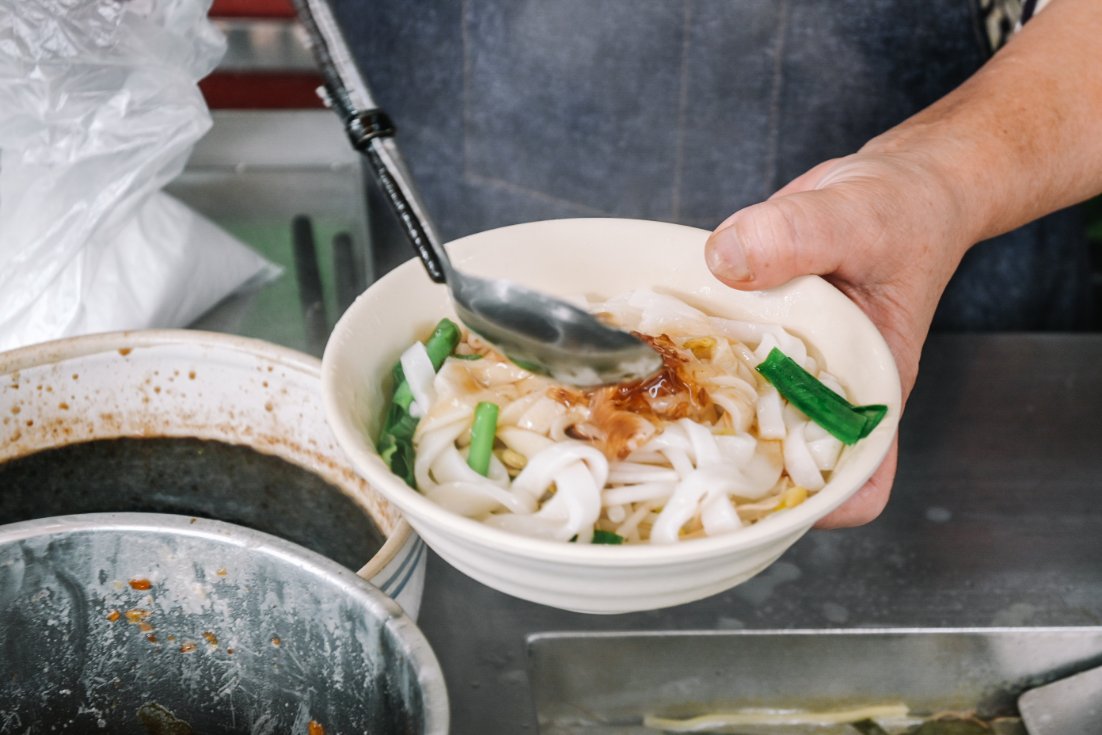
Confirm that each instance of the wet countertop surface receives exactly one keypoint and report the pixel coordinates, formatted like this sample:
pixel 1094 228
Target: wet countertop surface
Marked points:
pixel 995 520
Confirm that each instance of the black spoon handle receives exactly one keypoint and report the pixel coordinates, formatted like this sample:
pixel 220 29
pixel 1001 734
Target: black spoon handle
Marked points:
pixel 370 131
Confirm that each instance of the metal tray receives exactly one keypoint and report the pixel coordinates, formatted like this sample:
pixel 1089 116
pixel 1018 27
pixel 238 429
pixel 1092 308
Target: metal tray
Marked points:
pixel 607 682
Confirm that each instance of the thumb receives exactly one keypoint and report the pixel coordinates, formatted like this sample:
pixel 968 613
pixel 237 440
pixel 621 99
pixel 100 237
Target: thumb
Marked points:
pixel 770 243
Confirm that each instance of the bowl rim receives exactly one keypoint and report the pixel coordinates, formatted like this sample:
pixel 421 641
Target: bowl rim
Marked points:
pixel 51 352
pixel 424 513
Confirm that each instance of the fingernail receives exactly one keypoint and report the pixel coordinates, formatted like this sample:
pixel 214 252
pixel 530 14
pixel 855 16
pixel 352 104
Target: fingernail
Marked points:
pixel 726 258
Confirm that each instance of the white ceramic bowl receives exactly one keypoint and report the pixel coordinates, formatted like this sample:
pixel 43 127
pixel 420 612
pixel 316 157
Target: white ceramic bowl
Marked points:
pixel 602 258
pixel 189 383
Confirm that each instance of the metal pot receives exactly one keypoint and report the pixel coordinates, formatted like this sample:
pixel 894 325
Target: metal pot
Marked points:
pixel 188 384
pixel 145 623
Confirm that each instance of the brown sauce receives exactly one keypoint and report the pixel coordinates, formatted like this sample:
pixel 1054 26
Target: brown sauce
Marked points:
pixel 619 414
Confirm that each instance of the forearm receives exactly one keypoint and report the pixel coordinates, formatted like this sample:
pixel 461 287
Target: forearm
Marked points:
pixel 1023 137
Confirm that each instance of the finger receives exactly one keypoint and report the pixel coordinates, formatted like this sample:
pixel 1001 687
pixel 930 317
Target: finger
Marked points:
pixel 868 502
pixel 770 243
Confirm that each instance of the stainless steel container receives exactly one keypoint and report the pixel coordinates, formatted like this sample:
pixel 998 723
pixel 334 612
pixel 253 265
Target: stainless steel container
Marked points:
pixel 188 385
pixel 150 623
pixel 605 683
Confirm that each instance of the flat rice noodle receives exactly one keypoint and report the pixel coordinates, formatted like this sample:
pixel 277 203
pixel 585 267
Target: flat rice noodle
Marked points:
pixel 679 460
pixel 615 513
pixel 657 492
pixel 770 414
pixel 686 499
pixel 541 415
pixel 618 310
pixel 739 410
pixel 477 499
pixel 672 437
pixel 443 414
pixel 798 461
pixel 629 529
pixel 510 413
pixel 525 442
pixel 824 447
pixel 630 473
pixel 529 525
pixel 579 496
pixel 660 313
pixel 420 374
pixel 429 447
pixel 737 448
pixel 705 451
pixel 491 373
pixel 542 468
pixel 718 515
pixel 793 347
pixel 451 466
pixel 762 472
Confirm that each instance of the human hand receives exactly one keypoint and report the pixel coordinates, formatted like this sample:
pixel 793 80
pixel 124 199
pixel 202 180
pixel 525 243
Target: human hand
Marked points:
pixel 886 230
pixel 889 224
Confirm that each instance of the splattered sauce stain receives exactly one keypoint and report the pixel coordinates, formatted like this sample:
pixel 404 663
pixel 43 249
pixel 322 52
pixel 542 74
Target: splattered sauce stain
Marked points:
pixel 136 615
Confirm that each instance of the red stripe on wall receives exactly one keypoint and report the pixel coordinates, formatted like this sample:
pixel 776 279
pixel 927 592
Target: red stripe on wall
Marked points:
pixel 252 9
pixel 261 91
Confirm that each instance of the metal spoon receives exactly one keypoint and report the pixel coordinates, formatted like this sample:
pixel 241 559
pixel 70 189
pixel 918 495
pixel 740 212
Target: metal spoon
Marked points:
pixel 537 331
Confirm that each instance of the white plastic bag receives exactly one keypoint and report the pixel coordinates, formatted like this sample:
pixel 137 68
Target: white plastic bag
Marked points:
pixel 99 109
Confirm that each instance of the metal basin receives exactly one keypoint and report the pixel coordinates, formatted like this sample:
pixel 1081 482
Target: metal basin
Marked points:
pixel 604 683
pixel 145 623
pixel 193 423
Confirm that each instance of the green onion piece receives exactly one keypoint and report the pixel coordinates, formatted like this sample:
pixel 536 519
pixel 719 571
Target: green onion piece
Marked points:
pixel 482 437
pixel 395 443
pixel 442 341
pixel 843 420
pixel 606 537
pixel 471 357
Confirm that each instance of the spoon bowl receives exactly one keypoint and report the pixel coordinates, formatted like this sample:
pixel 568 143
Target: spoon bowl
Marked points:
pixel 547 335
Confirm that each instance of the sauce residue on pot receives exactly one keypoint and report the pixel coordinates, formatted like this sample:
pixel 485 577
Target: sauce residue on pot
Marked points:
pixel 136 615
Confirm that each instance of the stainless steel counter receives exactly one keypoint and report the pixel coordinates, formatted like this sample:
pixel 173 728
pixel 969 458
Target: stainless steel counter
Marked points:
pixel 996 520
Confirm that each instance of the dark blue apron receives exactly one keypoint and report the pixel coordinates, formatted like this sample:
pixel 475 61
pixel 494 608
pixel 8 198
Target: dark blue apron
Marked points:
pixel 684 111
